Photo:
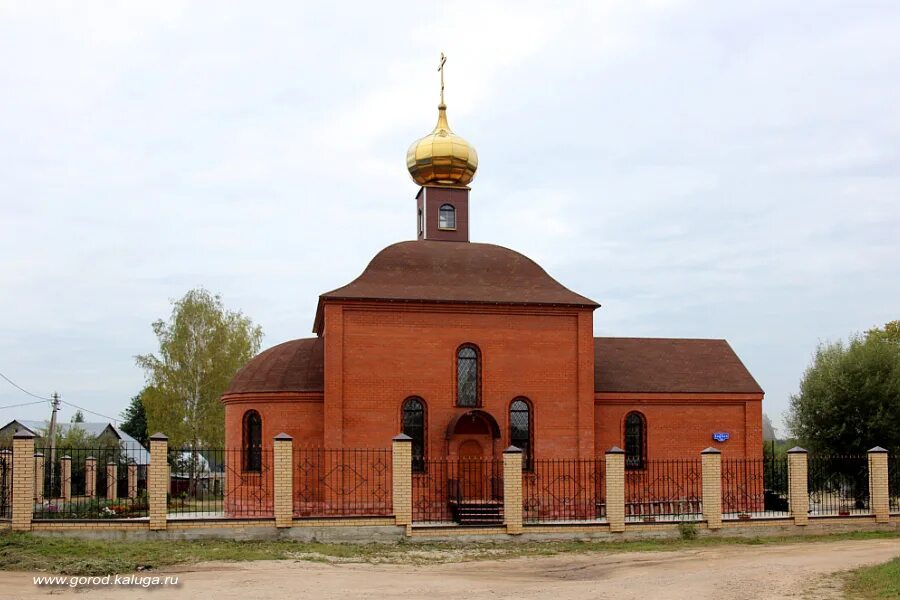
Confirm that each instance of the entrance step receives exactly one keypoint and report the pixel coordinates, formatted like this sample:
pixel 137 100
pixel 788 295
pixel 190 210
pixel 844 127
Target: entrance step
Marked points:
pixel 478 514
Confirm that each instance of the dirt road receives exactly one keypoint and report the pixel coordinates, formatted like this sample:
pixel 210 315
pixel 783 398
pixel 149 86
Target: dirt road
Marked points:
pixel 721 572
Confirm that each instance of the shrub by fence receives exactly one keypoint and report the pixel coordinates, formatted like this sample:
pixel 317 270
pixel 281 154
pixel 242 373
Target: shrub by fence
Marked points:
pixel 564 490
pixel 838 485
pixel 446 484
pixel 664 490
pixel 342 482
pixel 754 487
pixel 73 483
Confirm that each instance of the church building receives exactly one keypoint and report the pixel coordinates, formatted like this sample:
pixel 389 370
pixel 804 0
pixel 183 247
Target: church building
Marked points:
pixel 470 347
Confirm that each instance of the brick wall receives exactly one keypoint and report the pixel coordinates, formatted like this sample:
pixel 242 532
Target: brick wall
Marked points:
pixel 681 425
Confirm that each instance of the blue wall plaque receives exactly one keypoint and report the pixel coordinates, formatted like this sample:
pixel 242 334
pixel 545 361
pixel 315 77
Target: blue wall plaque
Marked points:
pixel 721 436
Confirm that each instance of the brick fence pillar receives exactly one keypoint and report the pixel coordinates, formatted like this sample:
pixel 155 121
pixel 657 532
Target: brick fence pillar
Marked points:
pixel 512 489
pixel 65 477
pixel 615 489
pixel 401 464
pixel 158 480
pixel 879 495
pixel 132 481
pixel 23 480
pixel 39 477
pixel 284 480
pixel 798 486
pixel 112 481
pixel 90 477
pixel 711 466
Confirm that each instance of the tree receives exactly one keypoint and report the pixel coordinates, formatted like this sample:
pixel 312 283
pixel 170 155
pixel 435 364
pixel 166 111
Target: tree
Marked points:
pixel 849 399
pixel 78 417
pixel 201 347
pixel 135 421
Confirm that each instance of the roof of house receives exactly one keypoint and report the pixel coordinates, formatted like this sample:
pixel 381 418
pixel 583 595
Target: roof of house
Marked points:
pixel 460 272
pixel 669 365
pixel 620 365
pixel 132 449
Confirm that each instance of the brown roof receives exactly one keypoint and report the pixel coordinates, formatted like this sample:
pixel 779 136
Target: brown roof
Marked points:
pixel 463 272
pixel 620 365
pixel 669 365
pixel 294 366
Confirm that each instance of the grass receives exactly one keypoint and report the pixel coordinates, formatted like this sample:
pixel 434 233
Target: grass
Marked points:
pixel 874 583
pixel 74 556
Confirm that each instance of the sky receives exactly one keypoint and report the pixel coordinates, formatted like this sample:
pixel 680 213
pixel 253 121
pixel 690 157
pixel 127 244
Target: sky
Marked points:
pixel 701 169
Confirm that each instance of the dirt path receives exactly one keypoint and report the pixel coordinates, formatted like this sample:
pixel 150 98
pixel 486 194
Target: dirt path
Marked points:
pixel 723 572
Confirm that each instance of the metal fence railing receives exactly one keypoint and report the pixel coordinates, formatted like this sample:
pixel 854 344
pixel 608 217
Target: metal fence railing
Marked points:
pixel 894 482
pixel 445 487
pixel 664 490
pixel 342 482
pixel 74 482
pixel 754 488
pixel 838 485
pixel 564 490
pixel 221 483
pixel 6 483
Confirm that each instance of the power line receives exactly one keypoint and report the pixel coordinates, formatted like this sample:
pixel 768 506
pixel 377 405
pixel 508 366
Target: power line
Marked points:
pixel 92 412
pixel 25 404
pixel 16 385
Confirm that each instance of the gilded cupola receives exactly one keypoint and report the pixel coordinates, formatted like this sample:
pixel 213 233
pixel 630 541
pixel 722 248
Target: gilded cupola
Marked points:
pixel 442 158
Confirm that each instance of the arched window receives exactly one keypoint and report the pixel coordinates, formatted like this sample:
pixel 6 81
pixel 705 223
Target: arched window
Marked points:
pixel 447 217
pixel 520 429
pixel 421 222
pixel 468 378
pixel 635 441
pixel 252 441
pixel 414 427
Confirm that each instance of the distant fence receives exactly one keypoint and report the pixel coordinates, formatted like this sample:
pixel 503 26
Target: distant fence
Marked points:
pixel 664 490
pixel 101 482
pixel 444 485
pixel 564 490
pixel 6 483
pixel 342 482
pixel 838 485
pixel 753 488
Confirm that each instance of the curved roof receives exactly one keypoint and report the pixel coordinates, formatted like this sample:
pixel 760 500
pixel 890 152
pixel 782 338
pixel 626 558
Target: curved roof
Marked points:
pixel 295 366
pixel 466 272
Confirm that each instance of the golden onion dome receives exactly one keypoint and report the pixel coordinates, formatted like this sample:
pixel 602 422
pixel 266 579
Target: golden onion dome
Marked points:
pixel 442 157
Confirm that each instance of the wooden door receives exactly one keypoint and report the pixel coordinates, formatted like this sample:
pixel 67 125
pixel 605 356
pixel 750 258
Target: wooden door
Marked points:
pixel 471 471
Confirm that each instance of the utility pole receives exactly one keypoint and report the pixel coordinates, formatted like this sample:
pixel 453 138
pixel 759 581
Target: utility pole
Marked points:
pixel 52 434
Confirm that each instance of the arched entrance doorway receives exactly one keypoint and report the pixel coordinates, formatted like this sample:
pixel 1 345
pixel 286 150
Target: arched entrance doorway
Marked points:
pixel 473 440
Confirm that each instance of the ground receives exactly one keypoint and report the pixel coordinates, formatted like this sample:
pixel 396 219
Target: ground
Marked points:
pixel 795 570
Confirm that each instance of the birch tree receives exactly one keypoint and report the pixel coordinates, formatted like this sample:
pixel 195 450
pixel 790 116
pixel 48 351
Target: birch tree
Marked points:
pixel 201 347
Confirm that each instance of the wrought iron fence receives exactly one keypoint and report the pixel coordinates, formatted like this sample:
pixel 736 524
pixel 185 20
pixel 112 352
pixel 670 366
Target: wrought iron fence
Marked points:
pixel 71 482
pixel 894 481
pixel 564 490
pixel 447 485
pixel 342 482
pixel 664 490
pixel 221 483
pixel 6 483
pixel 754 488
pixel 838 485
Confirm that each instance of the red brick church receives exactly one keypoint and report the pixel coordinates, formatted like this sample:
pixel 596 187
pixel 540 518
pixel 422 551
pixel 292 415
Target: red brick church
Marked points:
pixel 471 347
